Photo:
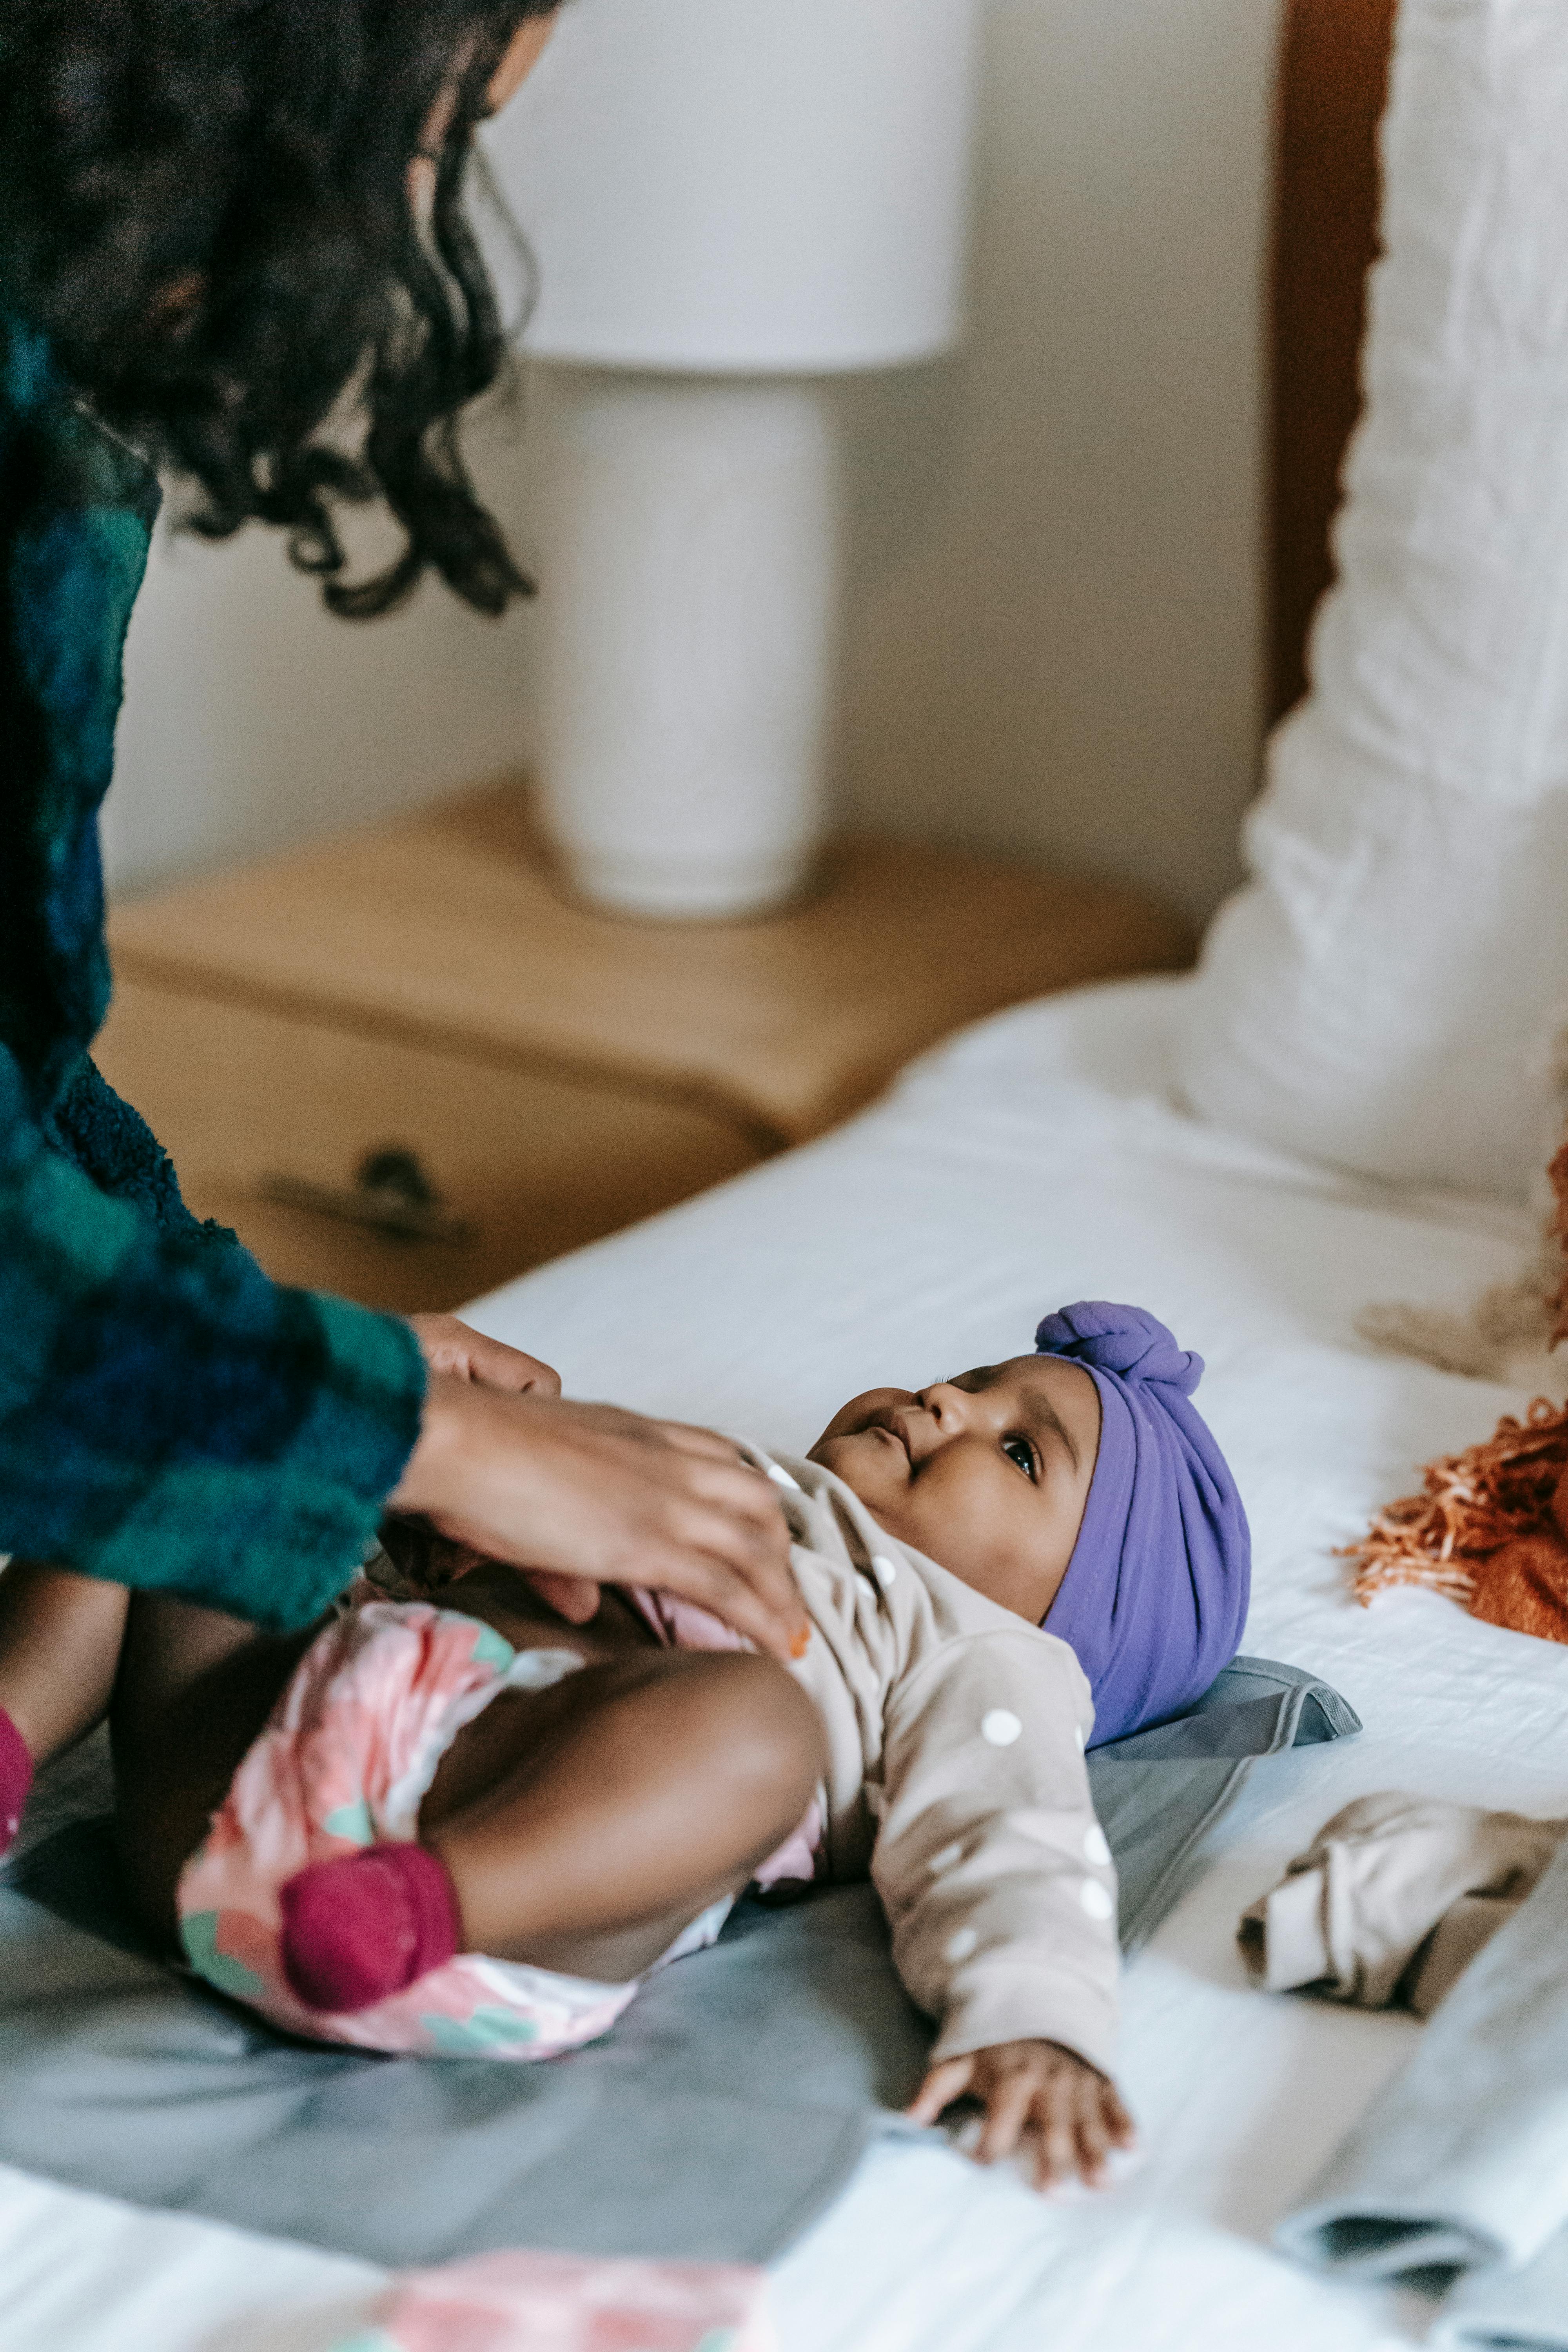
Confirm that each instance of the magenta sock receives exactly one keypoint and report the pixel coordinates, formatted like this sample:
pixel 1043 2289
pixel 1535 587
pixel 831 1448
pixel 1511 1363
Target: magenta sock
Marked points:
pixel 360 1928
pixel 15 1778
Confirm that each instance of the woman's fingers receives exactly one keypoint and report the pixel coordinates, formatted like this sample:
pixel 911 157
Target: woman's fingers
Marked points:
pixel 746 1593
pixel 589 1492
pixel 450 1346
pixel 688 1438
pixel 736 1515
pixel 724 1543
pixel 424 1557
pixel 575 1598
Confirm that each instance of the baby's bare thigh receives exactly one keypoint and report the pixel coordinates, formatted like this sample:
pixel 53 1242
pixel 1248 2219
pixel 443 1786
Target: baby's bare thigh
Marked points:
pixel 584 1826
pixel 194 1689
pixel 521 1728
pixel 522 1731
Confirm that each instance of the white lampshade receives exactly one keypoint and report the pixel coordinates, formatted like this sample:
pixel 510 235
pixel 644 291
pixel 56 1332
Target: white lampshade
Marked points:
pixel 749 186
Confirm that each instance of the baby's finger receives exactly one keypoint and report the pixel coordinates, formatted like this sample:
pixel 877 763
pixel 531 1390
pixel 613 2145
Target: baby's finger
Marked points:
pixel 1093 2141
pixel 1055 2152
pixel 941 2086
pixel 1007 2104
pixel 1123 2131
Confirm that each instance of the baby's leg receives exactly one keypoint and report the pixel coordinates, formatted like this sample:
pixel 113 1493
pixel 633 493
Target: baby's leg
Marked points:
pixel 587 1833
pixel 194 1689
pixel 60 1637
pixel 578 1829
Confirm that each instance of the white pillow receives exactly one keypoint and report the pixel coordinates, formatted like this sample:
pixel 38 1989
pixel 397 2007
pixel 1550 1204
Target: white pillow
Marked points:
pixel 1383 992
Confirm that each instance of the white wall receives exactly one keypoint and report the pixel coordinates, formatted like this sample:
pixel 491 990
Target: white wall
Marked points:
pixel 1066 655
pixel 254 719
pixel 1054 639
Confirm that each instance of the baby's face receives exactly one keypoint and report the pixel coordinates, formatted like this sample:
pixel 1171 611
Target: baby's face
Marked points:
pixel 988 1474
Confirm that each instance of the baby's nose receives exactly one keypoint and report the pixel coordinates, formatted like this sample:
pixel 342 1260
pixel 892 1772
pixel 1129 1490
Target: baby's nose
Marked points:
pixel 948 1406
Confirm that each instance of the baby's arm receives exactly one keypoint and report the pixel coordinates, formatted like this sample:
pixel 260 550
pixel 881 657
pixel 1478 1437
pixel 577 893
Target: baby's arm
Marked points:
pixel 998 1887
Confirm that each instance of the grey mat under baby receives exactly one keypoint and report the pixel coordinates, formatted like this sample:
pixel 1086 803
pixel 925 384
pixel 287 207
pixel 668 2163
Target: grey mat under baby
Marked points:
pixel 719 2118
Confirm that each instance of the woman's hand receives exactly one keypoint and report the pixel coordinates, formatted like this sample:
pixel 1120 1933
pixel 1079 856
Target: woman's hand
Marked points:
pixel 427 1561
pixel 448 1346
pixel 1063 2112
pixel 587 1494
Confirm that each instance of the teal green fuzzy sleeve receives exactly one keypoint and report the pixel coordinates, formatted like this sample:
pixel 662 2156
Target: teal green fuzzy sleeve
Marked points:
pixel 169 1418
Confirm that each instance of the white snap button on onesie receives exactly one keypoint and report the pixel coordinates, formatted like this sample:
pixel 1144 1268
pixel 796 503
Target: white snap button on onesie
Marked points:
pixel 1096 1899
pixel 1001 1727
pixel 960 1946
pixel 1094 1845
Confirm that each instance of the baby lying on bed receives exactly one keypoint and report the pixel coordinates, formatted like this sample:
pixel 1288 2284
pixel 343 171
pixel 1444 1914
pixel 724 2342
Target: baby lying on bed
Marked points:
pixel 473 1830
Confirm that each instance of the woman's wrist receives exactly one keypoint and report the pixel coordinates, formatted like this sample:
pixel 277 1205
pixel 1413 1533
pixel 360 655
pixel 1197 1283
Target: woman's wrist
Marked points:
pixel 432 1477
pixel 466 1374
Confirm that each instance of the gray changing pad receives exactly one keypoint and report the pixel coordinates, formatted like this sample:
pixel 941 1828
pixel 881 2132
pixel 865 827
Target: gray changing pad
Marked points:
pixel 1160 1793
pixel 724 2112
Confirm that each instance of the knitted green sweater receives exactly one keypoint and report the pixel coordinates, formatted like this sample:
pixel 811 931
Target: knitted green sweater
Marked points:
pixel 168 1416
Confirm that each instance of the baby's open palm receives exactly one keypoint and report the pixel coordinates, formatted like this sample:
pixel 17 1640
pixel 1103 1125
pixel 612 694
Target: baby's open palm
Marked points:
pixel 1041 2101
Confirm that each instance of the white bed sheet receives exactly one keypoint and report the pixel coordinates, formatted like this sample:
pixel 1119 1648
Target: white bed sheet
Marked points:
pixel 1035 1159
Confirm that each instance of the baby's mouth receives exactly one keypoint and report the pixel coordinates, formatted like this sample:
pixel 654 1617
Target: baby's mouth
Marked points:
pixel 895 1436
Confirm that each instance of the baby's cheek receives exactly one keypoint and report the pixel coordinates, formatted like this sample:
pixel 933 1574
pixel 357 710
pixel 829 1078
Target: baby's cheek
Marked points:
pixel 864 1464
pixel 941 1525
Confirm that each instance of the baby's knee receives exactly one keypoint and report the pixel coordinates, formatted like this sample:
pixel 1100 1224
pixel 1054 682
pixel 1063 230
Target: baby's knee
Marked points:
pixel 774 1742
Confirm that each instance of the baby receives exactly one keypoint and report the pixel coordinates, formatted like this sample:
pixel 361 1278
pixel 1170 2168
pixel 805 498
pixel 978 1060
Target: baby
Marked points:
pixel 474 1830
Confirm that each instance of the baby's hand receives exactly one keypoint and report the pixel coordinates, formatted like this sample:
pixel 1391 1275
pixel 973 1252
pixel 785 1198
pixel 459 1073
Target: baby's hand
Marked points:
pixel 1063 2112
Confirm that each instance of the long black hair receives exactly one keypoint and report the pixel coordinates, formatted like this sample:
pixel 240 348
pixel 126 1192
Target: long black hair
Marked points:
pixel 205 205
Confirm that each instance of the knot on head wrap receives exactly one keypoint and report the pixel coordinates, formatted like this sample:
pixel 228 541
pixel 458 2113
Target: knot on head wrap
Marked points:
pixel 1120 1340
pixel 1155 1594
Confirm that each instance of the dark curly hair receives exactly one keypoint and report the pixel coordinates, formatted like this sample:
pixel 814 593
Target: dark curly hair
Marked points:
pixel 204 204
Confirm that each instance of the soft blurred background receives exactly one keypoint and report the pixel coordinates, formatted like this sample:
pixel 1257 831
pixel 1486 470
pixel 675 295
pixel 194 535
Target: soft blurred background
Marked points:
pixel 1055 625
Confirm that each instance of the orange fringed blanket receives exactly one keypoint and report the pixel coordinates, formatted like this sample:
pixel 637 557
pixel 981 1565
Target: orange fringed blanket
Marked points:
pixel 1490 1529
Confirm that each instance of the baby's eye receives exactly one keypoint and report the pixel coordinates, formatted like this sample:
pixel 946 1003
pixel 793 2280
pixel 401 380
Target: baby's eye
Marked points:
pixel 1019 1450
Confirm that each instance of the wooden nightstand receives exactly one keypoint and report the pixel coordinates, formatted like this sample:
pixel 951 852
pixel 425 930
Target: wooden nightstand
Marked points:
pixel 553 1073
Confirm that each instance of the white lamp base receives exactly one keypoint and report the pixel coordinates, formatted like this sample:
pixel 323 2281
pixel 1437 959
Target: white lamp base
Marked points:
pixel 689 607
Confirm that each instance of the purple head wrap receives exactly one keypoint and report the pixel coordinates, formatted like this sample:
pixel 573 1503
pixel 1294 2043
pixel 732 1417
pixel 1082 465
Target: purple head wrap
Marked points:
pixel 1155 1594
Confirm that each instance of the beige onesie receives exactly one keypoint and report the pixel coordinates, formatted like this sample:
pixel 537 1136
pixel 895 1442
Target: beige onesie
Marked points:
pixel 1394 1898
pixel 956 1782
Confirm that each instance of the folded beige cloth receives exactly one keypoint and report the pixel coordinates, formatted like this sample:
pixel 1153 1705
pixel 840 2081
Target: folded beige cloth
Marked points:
pixel 1394 1898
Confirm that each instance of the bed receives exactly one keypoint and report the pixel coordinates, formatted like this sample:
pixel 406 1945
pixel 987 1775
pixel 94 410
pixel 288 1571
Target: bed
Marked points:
pixel 1042 1156
pixel 1038 1157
